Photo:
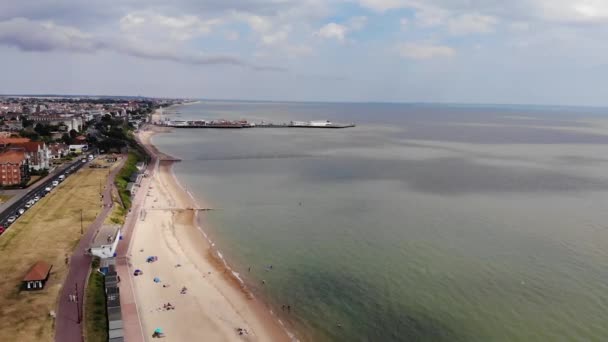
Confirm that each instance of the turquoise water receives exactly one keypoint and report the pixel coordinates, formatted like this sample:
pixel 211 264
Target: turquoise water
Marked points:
pixel 423 223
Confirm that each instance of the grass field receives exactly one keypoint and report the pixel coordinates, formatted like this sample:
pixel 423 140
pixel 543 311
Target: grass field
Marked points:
pixel 48 231
pixel 96 321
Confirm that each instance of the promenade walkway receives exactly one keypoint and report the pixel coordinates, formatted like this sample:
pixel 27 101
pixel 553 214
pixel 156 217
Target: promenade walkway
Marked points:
pixel 68 326
pixel 131 322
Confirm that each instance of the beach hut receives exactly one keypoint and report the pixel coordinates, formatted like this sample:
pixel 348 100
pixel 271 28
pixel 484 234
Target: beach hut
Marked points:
pixel 37 276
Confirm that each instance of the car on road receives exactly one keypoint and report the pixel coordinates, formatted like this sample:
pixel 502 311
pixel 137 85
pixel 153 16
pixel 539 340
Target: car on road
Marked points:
pixel 84 160
pixel 48 189
pixel 21 211
pixel 2 229
pixel 28 205
pixel 11 219
pixel 37 198
pixel 62 177
pixel 55 183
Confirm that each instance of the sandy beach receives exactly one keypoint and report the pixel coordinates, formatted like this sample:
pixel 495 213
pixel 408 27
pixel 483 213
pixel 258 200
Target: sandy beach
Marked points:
pixel 213 307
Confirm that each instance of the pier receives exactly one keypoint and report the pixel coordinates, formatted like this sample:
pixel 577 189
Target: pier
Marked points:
pixel 241 124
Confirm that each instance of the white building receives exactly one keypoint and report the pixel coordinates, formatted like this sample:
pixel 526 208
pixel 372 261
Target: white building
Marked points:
pixel 105 243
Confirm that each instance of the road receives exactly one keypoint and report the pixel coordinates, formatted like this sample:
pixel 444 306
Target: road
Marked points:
pixel 37 189
pixel 68 324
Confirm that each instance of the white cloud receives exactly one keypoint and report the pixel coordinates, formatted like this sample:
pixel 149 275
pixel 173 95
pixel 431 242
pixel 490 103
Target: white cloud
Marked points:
pixel 29 35
pixel 333 31
pixel 383 5
pixel 340 31
pixel 471 23
pixel 256 23
pixel 427 16
pixel 276 37
pixel 583 11
pixel 158 26
pixel 425 50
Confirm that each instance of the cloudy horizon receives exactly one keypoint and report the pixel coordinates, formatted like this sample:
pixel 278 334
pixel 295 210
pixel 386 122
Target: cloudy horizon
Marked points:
pixel 515 52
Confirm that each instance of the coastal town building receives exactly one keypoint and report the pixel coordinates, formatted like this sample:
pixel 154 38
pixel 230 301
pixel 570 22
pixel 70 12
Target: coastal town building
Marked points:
pixel 14 168
pixel 7 141
pixel 78 148
pixel 37 276
pixel 12 125
pixel 37 152
pixel 105 243
pixel 58 150
pixel 71 122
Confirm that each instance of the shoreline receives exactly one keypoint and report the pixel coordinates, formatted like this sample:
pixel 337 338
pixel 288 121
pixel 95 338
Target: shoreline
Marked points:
pixel 227 293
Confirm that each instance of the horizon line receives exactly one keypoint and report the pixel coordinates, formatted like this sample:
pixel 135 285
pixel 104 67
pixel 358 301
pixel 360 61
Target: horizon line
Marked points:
pixel 476 104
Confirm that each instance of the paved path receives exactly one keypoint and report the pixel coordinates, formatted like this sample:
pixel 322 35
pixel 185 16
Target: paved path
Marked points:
pixel 68 327
pixel 131 322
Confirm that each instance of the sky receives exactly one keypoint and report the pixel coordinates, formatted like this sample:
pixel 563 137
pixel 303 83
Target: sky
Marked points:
pixel 456 51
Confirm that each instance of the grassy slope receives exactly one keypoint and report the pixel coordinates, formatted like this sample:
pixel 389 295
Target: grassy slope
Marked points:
pixel 96 321
pixel 122 179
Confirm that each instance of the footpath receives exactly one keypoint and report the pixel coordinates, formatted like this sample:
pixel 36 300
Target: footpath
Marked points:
pixel 132 328
pixel 68 322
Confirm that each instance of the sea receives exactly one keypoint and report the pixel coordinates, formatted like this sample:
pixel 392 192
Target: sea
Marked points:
pixel 425 222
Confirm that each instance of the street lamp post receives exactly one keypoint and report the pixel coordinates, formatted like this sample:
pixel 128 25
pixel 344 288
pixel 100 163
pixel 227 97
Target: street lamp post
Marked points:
pixel 77 304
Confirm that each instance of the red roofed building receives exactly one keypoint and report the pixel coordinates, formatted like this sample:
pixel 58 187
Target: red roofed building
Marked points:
pixel 14 168
pixel 36 277
pixel 38 153
pixel 7 141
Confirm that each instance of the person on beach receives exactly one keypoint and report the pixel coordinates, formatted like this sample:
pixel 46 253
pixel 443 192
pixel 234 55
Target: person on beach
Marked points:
pixel 288 308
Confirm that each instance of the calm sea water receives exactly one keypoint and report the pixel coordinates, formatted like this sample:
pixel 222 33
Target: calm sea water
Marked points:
pixel 423 223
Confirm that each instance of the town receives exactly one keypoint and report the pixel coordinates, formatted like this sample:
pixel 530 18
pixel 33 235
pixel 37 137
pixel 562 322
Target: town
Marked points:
pixel 70 168
pixel 39 133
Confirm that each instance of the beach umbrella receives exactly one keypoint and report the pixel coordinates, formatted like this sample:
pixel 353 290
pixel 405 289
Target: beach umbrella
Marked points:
pixel 156 279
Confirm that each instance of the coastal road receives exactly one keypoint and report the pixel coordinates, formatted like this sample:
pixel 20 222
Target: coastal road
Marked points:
pixel 68 326
pixel 10 209
pixel 131 322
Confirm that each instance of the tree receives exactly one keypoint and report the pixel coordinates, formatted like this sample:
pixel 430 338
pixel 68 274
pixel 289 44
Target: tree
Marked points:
pixel 42 129
pixel 25 122
pixel 73 134
pixel 66 139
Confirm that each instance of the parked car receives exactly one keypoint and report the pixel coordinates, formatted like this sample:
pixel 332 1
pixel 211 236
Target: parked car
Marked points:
pixel 37 198
pixel 62 177
pixel 28 205
pixel 11 219
pixel 55 183
pixel 21 211
pixel 48 189
pixel 2 229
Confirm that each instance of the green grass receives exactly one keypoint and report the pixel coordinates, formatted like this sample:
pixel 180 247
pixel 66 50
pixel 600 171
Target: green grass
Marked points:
pixel 96 320
pixel 122 179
